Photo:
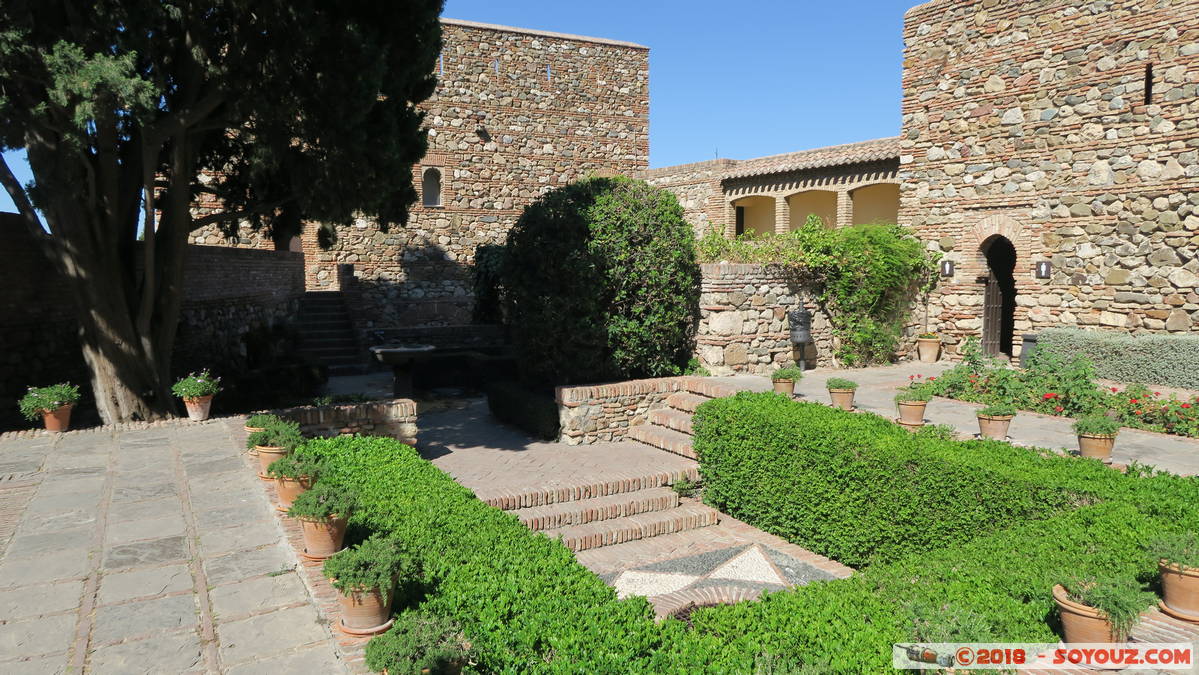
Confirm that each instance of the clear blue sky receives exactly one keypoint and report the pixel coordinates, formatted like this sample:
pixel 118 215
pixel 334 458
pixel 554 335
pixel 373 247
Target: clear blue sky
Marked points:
pixel 744 79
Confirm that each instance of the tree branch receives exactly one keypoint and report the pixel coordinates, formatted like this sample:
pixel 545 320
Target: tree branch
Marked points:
pixel 197 223
pixel 21 199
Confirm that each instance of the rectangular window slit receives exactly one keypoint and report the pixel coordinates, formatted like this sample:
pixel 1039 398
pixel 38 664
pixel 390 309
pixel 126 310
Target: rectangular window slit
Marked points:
pixel 1148 83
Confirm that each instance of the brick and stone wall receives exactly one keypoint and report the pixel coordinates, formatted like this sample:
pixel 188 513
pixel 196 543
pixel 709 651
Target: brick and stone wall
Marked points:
pixel 395 418
pixel 698 188
pixel 228 292
pixel 516 113
pixel 743 324
pixel 604 412
pixel 1033 121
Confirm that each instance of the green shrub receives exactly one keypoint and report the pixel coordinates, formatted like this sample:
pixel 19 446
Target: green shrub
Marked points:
pixel 1120 599
pixel 261 420
pixel 694 367
pixel 841 383
pixel 1171 360
pixel 1097 424
pixel 1178 550
pixel 787 373
pixel 196 385
pixel 340 399
pixel 376 564
pixel 46 399
pixel 913 393
pixel 754 449
pixel 998 410
pixel 419 643
pixel 600 283
pixel 488 283
pixel 533 411
pixel 323 500
pixel 294 466
pixel 277 434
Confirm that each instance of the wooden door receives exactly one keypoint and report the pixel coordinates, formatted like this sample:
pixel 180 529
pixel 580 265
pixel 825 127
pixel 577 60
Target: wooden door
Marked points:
pixel 992 315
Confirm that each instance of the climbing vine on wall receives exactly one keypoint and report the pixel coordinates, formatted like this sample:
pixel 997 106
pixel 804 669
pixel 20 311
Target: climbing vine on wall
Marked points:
pixel 864 276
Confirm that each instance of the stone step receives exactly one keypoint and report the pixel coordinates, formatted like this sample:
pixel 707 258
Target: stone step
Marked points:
pixel 663 438
pixel 630 528
pixel 709 386
pixel 321 333
pixel 686 401
pixel 525 498
pixel 328 342
pixel 584 511
pixel 342 327
pixel 329 350
pixel 672 419
pixel 308 314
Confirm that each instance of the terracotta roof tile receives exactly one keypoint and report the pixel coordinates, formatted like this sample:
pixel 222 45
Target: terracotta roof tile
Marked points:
pixel 834 155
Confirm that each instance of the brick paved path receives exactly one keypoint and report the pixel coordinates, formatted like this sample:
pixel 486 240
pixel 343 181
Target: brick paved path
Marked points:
pixel 152 550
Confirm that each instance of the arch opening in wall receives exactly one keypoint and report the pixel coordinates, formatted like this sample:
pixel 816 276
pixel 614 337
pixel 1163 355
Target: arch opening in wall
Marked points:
pixel 431 187
pixel 820 203
pixel 878 203
pixel 755 214
pixel 999 295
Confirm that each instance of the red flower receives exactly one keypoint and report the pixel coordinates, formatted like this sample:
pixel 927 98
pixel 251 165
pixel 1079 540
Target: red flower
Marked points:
pixel 1114 390
pixel 1132 400
pixel 1138 412
pixel 931 379
pixel 1049 396
pixel 1186 405
pixel 1157 393
pixel 1058 409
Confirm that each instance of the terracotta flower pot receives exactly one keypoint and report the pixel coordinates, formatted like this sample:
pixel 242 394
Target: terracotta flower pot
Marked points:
pixel 912 412
pixel 785 387
pixel 1097 446
pixel 928 349
pixel 842 398
pixel 266 455
pixel 197 408
pixel 322 537
pixel 365 612
pixel 289 488
pixel 1180 586
pixel 58 419
pixel 994 426
pixel 1080 623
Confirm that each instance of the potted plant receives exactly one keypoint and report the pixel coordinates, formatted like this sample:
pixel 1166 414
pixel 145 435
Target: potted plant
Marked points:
pixel 197 390
pixel 994 420
pixel 841 391
pixel 419 642
pixel 322 512
pixel 1178 560
pixel 53 404
pixel 275 440
pixel 365 578
pixel 928 347
pixel 258 422
pixel 1100 610
pixel 1097 436
pixel 293 475
pixel 911 401
pixel 784 379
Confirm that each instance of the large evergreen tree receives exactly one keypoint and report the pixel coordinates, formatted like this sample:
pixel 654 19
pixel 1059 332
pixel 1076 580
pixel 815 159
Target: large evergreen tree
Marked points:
pixel 294 110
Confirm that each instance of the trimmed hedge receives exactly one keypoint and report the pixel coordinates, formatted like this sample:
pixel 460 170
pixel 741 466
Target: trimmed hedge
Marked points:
pixel 1170 360
pixel 526 605
pixel 534 412
pixel 870 490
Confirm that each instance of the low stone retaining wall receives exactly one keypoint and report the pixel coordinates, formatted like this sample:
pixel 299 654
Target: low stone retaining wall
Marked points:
pixel 743 325
pixel 600 413
pixel 395 419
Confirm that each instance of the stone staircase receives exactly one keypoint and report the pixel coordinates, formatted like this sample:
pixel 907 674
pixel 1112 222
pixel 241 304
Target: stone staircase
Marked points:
pixel 327 333
pixel 669 428
pixel 609 512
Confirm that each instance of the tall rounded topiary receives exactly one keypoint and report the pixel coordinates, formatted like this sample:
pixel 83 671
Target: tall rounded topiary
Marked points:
pixel 600 282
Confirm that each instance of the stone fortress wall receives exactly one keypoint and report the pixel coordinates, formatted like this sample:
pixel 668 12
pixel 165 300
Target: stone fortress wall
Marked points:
pixel 1071 129
pixel 516 113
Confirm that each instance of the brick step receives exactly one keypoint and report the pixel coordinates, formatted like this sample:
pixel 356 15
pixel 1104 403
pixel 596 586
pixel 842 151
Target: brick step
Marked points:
pixel 686 401
pixel 323 314
pixel 328 342
pixel 566 514
pixel 662 438
pixel 322 333
pixel 709 386
pixel 631 528
pixel 672 419
pixel 511 501
pixel 339 327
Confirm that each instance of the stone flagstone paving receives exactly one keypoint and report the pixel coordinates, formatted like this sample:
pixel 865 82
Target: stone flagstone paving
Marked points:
pixel 152 550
